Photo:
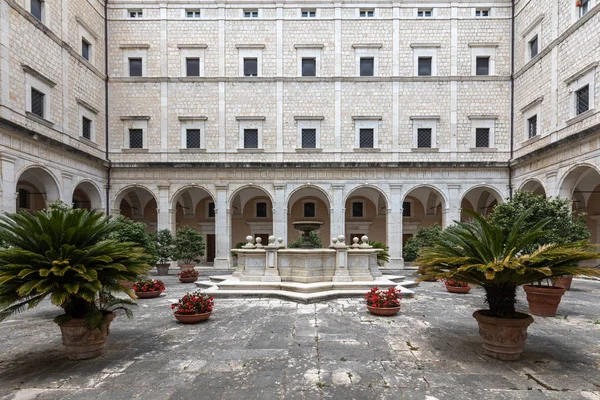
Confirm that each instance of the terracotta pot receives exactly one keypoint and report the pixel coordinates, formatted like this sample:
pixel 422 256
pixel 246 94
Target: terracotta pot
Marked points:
pixel 126 284
pixel 383 311
pixel 82 343
pixel 147 295
pixel 543 300
pixel 188 280
pixel 192 318
pixel 456 289
pixel 183 267
pixel 163 269
pixel 564 282
pixel 503 338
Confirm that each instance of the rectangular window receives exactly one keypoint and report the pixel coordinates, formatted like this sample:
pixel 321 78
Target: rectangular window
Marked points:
pixel 192 13
pixel 85 49
pixel 135 67
pixel 582 100
pixel 192 66
pixel 36 9
pixel 532 126
pixel 250 13
pixel 482 12
pixel 425 66
pixel 23 198
pixel 309 13
pixel 424 13
pixel 251 138
pixel 424 137
pixel 406 209
pixel 309 67
pixel 367 66
pixel 37 102
pixel 584 7
pixel 135 13
pixel 309 138
pixel 357 209
pixel 309 210
pixel 533 47
pixel 366 13
pixel 261 210
pixel 482 66
pixel 192 138
pixel 136 138
pixel 366 140
pixel 482 137
pixel 250 66
pixel 86 128
pixel 211 210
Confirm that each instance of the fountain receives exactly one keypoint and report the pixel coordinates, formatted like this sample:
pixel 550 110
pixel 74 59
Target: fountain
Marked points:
pixel 307 227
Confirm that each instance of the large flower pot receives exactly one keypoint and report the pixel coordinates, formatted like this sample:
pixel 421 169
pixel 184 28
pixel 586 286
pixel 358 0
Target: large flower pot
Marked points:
pixel 564 282
pixel 163 269
pixel 82 343
pixel 543 300
pixel 458 289
pixel 503 338
pixel 385 312
pixel 192 318
pixel 147 295
pixel 183 267
pixel 188 280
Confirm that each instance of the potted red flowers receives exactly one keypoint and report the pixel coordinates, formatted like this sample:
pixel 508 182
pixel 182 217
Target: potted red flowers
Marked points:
pixel 381 302
pixel 454 286
pixel 148 289
pixel 193 307
pixel 188 275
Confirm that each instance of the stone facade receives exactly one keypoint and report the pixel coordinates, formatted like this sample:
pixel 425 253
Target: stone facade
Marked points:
pixel 227 189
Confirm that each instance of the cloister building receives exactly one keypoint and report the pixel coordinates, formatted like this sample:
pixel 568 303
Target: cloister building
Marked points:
pixel 239 117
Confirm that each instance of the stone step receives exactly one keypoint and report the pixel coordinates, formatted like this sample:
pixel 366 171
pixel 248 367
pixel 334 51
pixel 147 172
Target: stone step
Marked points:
pixel 394 278
pixel 410 284
pixel 205 284
pixel 304 287
pixel 219 278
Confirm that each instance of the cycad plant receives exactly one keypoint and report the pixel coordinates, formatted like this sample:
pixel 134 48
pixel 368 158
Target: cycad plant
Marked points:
pixel 382 256
pixel 68 256
pixel 481 253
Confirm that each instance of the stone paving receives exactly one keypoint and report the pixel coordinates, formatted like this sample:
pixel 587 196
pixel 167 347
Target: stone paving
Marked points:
pixel 275 349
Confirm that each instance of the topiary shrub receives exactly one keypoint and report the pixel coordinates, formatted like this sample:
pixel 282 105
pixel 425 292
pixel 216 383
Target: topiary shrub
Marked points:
pixel 189 245
pixel 425 237
pixel 314 239
pixel 131 231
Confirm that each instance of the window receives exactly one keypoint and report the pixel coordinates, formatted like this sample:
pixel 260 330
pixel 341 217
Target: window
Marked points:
pixel 424 137
pixel 309 138
pixel 358 209
pixel 23 198
pixel 309 67
pixel 366 139
pixel 582 100
pixel 37 102
pixel 533 47
pixel 482 137
pixel 310 210
pixel 367 66
pixel 86 128
pixel 482 12
pixel 192 138
pixel 135 13
pixel 250 13
pixel 309 13
pixel 532 126
pixel 425 66
pixel 424 13
pixel 261 210
pixel 36 9
pixel 482 66
pixel 192 13
pixel 192 66
pixel 406 209
pixel 584 7
pixel 251 138
pixel 136 138
pixel 135 67
pixel 250 66
pixel 85 49
pixel 366 13
pixel 211 210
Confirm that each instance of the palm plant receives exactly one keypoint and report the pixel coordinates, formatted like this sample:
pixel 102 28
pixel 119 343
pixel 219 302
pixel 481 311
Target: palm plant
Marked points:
pixel 68 256
pixel 483 254
pixel 382 256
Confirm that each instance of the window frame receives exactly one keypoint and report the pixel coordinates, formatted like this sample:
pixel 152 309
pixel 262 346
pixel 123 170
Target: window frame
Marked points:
pixel 363 209
pixel 314 203
pixel 425 123
pixel 366 123
pixel 308 12
pixel 134 53
pixel 256 203
pixel 141 131
pixel 535 39
pixel 34 90
pixel 585 77
pixel 207 209
pixel 302 66
pixel 482 122
pixel 410 208
pixel 423 51
pixel 42 17
pixel 83 119
pixel 187 123
pixel 481 11
pixel 134 13
pixel 141 60
pixel 250 123
pixel 366 13
pixel 196 13
pixel 135 124
pixel 187 66
pixel 250 52
pixel 251 13
pixel 424 11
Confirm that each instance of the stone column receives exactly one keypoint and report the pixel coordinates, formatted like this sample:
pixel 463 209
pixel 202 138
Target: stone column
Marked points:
pixel 222 228
pixel 552 188
pixel 452 210
pixel 271 270
pixel 67 188
pixel 9 183
pixel 341 273
pixel 394 227
pixel 280 212
pixel 164 209
pixel 338 211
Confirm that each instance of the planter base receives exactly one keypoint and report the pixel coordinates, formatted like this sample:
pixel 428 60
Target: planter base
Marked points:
pixel 147 295
pixel 543 301
pixel 384 312
pixel 188 280
pixel 82 343
pixel 503 338
pixel 193 318
pixel 162 269
pixel 564 282
pixel 456 289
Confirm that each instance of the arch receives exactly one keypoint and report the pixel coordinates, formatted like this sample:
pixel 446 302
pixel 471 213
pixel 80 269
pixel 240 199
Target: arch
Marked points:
pixel 36 187
pixel 125 190
pixel 246 217
pixel 480 198
pixel 321 193
pixel 138 203
pixel 373 187
pixel 297 209
pixel 93 193
pixel 433 188
pixel 249 186
pixel 372 214
pixel 573 176
pixel 533 185
pixel 192 186
pixel 491 190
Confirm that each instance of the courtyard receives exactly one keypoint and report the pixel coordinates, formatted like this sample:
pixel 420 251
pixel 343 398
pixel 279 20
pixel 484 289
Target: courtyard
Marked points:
pixel 274 349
